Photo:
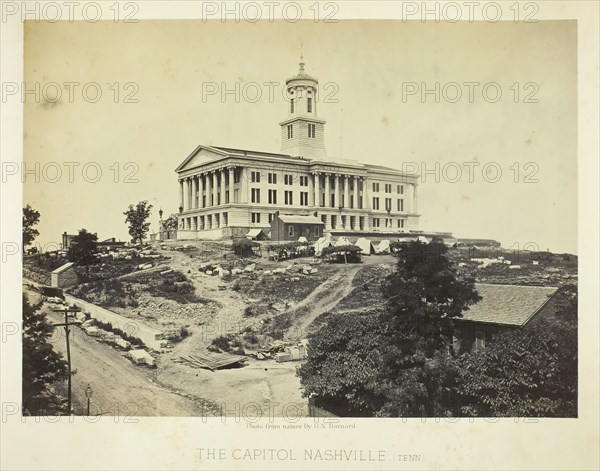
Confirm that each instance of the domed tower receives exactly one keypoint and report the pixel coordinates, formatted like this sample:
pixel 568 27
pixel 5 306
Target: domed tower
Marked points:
pixel 302 132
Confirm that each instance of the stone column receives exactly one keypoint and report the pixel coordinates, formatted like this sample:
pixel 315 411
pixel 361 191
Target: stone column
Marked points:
pixel 231 180
pixel 327 222
pixel 311 192
pixel 215 187
pixel 181 193
pixel 222 186
pixel 317 188
pixel 355 192
pixel 196 192
pixel 190 190
pixel 244 185
pixel 327 192
pixel 347 191
pixel 200 190
pixel 208 177
pixel 366 204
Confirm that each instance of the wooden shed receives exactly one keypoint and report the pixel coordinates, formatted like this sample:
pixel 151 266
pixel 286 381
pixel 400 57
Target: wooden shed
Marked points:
pixel 289 227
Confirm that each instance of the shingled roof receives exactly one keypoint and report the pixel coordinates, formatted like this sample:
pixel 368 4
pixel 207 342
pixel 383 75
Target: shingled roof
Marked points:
pixel 299 219
pixel 508 304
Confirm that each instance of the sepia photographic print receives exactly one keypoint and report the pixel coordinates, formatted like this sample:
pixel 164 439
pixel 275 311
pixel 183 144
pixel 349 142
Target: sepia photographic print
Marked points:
pixel 265 235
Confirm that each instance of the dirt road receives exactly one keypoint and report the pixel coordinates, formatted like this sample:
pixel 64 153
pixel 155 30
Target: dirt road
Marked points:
pixel 321 300
pixel 119 387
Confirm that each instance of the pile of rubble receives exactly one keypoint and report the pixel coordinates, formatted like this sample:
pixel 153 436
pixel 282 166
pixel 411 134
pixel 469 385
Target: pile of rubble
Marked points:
pixel 281 351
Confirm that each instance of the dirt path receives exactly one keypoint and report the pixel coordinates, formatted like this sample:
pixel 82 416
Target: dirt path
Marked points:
pixel 321 300
pixel 119 387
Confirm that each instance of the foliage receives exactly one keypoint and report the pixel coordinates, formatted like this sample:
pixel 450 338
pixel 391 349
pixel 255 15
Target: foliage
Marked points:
pixel 527 373
pixel 244 247
pixel 42 366
pixel 136 217
pixel 341 374
pixel 171 223
pixel 343 253
pixel 30 218
pixel 394 363
pixel 83 249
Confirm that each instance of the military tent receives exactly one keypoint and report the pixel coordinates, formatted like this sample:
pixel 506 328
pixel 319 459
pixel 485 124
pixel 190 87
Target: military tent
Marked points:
pixel 342 241
pixel 383 247
pixel 366 246
pixel 423 239
pixel 321 244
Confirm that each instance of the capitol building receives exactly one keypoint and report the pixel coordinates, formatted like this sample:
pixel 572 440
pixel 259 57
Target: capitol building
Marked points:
pixel 224 192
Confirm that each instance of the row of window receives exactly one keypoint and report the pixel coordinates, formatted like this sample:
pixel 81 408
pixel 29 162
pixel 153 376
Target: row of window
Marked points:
pixel 388 188
pixel 388 204
pixel 312 130
pixel 272 197
pixel 388 223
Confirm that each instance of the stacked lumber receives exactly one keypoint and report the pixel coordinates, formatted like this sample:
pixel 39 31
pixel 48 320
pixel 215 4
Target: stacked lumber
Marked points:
pixel 212 361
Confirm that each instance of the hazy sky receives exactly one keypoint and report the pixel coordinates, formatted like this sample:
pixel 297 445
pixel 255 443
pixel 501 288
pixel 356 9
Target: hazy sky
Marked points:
pixel 367 64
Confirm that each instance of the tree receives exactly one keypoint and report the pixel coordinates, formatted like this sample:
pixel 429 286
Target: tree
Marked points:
pixel 171 223
pixel 42 366
pixel 136 217
pixel 530 372
pixel 30 218
pixel 83 249
pixel 397 362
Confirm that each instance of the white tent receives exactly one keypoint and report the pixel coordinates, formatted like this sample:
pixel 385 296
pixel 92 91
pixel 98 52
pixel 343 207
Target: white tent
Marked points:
pixel 303 240
pixel 342 241
pixel 383 247
pixel 321 244
pixel 366 246
pixel 423 239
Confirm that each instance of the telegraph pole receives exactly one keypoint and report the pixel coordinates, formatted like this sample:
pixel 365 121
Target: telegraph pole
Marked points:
pixel 66 326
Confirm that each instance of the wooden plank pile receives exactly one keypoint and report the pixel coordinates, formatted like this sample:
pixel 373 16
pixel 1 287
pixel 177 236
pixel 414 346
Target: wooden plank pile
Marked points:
pixel 212 361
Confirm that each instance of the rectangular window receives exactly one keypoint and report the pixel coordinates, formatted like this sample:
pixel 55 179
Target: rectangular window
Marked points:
pixel 332 202
pixel 292 106
pixel 400 189
pixel 271 217
pixel 303 181
pixel 291 231
pixel 304 198
pixel 272 178
pixel 388 187
pixel 272 197
pixel 401 205
pixel 309 105
pixel 255 177
pixel 290 130
pixel 360 202
pixel 256 195
pixel 255 218
pixel 388 204
pixel 375 222
pixel 288 179
pixel 376 187
pixel 316 231
pixel 375 203
pixel 226 197
pixel 400 223
pixel 312 130
pixel 288 196
pixel 351 202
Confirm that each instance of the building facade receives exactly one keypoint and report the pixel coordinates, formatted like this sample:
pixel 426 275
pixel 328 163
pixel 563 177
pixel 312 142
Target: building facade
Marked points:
pixel 225 192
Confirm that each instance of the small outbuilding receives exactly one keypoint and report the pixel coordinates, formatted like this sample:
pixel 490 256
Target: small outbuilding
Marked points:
pixel 502 307
pixel 289 227
pixel 64 276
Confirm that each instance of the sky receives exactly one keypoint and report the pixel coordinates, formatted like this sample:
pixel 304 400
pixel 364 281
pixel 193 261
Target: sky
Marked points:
pixel 500 167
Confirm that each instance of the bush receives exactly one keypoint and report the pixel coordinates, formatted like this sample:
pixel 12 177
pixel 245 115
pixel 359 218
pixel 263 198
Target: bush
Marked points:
pixel 245 248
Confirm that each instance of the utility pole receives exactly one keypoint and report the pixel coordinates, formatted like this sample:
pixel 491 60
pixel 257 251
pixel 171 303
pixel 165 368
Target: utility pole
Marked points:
pixel 66 326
